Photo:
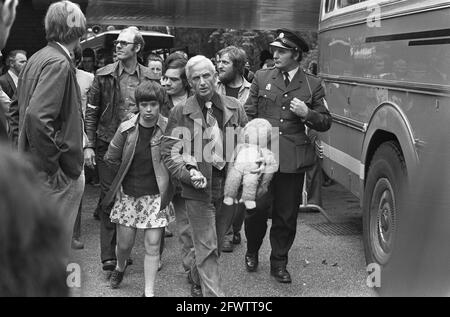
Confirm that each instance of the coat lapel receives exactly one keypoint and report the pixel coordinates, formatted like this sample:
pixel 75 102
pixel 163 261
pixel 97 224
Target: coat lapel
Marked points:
pixel 11 82
pixel 192 108
pixel 278 80
pixel 228 110
pixel 296 82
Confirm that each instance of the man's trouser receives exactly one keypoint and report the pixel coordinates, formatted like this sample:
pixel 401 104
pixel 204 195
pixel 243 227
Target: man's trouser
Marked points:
pixel 209 223
pixel 67 197
pixel 107 228
pixel 284 195
pixel 184 231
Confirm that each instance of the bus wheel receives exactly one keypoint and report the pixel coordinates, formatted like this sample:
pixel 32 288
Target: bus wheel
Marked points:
pixel 385 178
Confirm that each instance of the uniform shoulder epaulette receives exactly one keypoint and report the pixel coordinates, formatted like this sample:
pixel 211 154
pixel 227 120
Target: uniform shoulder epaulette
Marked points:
pixel 311 75
pixel 267 69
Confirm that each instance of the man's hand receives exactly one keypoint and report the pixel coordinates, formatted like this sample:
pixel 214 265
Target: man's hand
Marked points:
pixel 261 191
pixel 197 179
pixel 299 108
pixel 89 157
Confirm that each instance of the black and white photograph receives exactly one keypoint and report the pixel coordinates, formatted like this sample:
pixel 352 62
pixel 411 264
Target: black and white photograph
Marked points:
pixel 247 150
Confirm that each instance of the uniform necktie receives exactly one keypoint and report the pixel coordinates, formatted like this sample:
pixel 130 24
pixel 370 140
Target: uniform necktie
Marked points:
pixel 215 134
pixel 286 78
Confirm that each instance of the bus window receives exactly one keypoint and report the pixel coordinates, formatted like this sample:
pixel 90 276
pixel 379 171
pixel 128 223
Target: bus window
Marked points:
pixel 329 5
pixel 346 3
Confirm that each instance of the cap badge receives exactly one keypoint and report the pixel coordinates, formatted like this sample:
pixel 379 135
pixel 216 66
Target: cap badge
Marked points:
pixel 281 35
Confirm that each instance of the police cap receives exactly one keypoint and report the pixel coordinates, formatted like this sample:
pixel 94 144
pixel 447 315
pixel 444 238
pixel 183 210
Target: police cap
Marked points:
pixel 288 40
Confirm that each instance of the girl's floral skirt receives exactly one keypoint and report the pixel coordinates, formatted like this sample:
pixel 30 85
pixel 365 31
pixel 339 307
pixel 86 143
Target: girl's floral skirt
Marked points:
pixel 141 213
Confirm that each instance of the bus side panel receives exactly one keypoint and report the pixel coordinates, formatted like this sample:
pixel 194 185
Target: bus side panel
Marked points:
pixel 365 67
pixel 390 118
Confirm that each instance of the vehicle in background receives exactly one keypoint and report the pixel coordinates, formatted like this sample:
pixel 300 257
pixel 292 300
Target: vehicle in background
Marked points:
pixel 386 69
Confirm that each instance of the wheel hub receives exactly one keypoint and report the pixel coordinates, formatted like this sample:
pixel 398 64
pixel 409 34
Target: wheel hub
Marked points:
pixel 382 219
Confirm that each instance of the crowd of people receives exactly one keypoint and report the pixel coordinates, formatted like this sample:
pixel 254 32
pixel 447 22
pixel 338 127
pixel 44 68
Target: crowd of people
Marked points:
pixel 70 114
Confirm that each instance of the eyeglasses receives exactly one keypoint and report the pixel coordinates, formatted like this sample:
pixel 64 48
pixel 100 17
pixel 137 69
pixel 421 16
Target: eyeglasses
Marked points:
pixel 122 43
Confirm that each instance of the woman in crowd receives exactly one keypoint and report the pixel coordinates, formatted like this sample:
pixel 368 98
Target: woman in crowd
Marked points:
pixel 142 184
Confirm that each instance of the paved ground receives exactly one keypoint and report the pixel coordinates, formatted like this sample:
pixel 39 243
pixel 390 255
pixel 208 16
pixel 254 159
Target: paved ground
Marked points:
pixel 320 265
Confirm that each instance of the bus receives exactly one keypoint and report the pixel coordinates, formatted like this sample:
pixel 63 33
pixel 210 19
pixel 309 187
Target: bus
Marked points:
pixel 386 71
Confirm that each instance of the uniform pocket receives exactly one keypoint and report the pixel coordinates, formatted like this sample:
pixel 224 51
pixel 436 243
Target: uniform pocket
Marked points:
pixel 267 95
pixel 305 153
pixel 266 99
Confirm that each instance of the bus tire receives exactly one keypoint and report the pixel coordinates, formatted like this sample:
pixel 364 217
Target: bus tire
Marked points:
pixel 385 177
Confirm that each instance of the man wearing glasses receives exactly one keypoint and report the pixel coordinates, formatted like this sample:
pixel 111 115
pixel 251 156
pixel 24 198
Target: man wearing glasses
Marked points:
pixel 110 102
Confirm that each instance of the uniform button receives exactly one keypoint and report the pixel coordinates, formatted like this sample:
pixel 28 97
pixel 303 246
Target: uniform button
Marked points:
pixel 265 96
pixel 281 133
pixel 284 108
pixel 285 96
pixel 281 120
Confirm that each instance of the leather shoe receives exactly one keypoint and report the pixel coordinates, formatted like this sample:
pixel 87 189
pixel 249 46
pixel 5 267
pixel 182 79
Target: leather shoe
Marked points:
pixel 189 278
pixel 109 265
pixel 196 290
pixel 281 275
pixel 237 238
pixel 168 233
pixel 251 262
pixel 227 246
pixel 77 244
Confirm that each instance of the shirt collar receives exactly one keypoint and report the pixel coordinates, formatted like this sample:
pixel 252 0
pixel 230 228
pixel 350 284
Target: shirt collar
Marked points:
pixel 64 49
pixel 214 99
pixel 293 72
pixel 14 77
pixel 122 69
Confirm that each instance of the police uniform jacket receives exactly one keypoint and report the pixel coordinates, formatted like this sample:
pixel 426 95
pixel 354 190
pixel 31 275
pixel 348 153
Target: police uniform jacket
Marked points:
pixel 270 99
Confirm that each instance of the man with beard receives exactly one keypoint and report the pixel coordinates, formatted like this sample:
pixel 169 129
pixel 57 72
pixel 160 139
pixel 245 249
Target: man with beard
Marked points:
pixel 231 65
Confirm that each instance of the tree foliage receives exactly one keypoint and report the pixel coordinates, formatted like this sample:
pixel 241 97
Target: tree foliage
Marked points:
pixel 209 41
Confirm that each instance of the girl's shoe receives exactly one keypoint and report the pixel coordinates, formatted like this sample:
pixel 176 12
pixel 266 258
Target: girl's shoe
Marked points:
pixel 116 278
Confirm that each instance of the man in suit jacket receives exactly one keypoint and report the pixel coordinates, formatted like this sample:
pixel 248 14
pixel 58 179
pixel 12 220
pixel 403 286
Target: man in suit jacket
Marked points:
pixel 7 16
pixel 17 60
pixel 290 100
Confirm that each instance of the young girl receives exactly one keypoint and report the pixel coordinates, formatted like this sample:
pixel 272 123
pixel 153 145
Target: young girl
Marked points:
pixel 142 184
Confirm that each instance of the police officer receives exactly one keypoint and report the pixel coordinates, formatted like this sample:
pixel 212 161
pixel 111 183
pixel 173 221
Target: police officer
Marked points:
pixel 290 100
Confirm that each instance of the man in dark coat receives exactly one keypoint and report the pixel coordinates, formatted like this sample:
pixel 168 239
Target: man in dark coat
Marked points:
pixel 17 60
pixel 7 16
pixel 290 100
pixel 50 115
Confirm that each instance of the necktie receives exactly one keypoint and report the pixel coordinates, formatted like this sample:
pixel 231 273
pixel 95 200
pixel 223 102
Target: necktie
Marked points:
pixel 286 78
pixel 215 134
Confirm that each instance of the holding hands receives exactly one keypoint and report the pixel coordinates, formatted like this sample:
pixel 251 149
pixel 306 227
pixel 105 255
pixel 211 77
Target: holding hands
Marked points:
pixel 89 158
pixel 197 179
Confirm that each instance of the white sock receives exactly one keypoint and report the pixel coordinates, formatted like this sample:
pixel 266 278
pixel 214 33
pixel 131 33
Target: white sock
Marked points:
pixel 151 263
